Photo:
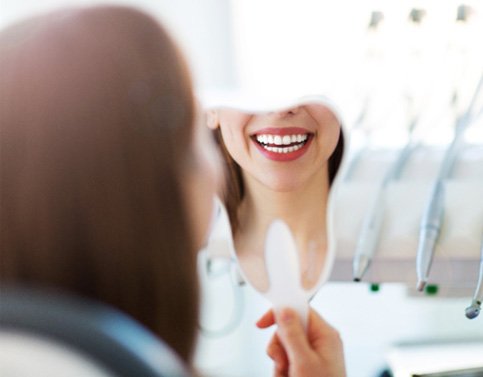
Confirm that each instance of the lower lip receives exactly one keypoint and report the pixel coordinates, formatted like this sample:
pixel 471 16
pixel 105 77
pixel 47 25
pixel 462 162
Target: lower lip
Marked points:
pixel 284 157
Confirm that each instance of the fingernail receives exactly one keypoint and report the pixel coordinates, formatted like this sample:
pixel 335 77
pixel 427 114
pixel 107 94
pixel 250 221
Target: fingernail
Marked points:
pixel 286 316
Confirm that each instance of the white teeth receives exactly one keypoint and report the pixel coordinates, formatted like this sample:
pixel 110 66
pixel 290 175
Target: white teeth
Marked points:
pixel 277 140
pixel 286 140
pixel 282 144
pixel 284 149
pixel 281 140
pixel 301 138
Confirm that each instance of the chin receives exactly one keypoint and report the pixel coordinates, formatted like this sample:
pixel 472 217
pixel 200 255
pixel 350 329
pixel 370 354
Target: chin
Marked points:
pixel 283 183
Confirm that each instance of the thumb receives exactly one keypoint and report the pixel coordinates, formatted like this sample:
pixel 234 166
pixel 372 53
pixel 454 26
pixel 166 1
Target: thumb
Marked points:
pixel 292 334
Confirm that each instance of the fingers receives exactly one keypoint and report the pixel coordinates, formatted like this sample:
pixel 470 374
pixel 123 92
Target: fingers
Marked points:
pixel 319 330
pixel 292 335
pixel 267 320
pixel 277 353
pixel 317 322
pixel 275 348
pixel 298 352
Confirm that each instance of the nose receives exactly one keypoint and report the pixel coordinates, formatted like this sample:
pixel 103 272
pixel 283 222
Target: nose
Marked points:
pixel 286 113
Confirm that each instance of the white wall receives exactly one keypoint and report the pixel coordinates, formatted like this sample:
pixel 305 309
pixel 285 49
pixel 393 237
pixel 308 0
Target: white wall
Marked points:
pixel 203 28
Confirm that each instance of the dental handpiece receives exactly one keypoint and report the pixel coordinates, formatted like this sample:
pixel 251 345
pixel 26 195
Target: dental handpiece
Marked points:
pixel 372 223
pixel 432 219
pixel 433 215
pixel 368 237
pixel 429 233
pixel 474 309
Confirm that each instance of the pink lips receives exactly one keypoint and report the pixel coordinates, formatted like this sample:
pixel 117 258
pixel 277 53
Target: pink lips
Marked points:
pixel 283 157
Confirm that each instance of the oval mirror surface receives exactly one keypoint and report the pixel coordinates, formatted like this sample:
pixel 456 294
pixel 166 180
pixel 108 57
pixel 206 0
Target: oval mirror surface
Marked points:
pixel 280 164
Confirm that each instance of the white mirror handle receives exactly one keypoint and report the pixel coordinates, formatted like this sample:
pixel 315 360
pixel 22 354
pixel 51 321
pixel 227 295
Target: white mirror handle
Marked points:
pixel 283 268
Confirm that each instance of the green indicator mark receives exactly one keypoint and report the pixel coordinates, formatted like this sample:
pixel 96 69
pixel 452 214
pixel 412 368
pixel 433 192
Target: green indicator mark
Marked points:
pixel 374 287
pixel 431 289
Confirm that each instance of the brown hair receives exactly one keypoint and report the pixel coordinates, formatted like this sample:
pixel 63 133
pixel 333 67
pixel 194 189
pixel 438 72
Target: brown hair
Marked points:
pixel 94 106
pixel 234 189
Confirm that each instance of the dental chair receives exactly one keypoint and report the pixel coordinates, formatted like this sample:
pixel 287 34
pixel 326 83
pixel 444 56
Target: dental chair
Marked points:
pixel 51 335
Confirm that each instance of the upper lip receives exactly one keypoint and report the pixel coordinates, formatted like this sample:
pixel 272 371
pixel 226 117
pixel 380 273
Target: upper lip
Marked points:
pixel 281 131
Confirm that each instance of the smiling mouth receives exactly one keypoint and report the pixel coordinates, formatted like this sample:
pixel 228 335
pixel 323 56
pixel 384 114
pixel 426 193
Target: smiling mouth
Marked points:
pixel 282 144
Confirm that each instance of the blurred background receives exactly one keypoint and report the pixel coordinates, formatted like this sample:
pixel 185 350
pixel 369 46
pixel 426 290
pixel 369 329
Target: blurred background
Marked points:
pixel 384 61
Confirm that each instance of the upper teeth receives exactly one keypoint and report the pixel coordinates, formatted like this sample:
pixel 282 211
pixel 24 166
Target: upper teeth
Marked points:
pixel 281 140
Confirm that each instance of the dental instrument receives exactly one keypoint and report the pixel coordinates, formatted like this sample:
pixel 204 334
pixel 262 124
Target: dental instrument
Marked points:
pixel 474 309
pixel 432 219
pixel 372 222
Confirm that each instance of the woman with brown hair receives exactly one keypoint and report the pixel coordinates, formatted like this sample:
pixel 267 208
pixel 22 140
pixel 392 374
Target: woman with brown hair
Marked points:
pixel 105 182
pixel 96 144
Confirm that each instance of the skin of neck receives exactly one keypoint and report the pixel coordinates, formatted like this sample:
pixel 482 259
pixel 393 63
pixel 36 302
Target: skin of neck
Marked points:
pixel 304 209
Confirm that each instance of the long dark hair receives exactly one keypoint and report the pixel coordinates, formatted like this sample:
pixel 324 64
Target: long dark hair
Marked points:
pixel 96 117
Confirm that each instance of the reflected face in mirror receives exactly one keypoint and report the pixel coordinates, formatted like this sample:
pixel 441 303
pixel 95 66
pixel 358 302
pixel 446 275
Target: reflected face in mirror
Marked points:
pixel 282 150
pixel 280 166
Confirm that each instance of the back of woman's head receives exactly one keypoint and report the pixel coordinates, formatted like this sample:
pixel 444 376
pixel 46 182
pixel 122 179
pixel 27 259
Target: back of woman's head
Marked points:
pixel 96 116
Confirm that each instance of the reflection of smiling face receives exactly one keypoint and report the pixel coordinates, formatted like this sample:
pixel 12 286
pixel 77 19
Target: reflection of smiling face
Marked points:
pixel 282 150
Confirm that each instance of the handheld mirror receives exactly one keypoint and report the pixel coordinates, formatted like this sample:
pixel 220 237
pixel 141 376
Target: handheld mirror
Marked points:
pixel 281 169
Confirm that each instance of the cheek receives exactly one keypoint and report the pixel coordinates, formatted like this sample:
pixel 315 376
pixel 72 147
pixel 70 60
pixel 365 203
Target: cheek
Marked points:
pixel 333 137
pixel 232 126
pixel 234 142
pixel 329 124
